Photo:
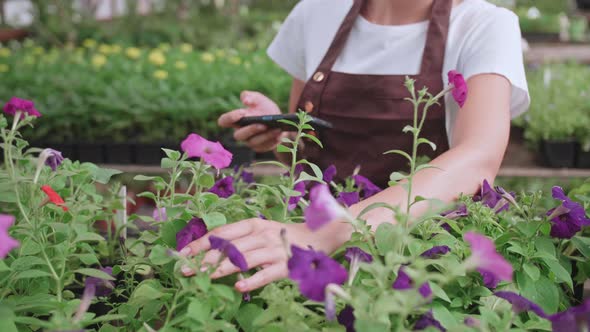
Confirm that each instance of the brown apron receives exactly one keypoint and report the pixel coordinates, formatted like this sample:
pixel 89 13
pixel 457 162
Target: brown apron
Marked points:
pixel 368 112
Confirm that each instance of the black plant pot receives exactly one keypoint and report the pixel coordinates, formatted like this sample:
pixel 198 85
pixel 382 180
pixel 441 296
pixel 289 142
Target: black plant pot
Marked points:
pixel 120 153
pixel 583 159
pixel 148 154
pixel 583 4
pixel 91 152
pixel 559 154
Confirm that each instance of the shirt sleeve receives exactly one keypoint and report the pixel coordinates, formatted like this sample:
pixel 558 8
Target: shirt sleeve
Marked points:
pixel 495 47
pixel 287 48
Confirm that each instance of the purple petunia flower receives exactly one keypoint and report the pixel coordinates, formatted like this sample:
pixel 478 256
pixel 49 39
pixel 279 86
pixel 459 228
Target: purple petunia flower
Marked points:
pixel 247 177
pixel 493 199
pixel 223 188
pixel 101 287
pixel 471 322
pixel 194 230
pixel 53 158
pixel 484 257
pixel 348 198
pixel 323 208
pixel 404 282
pixel 159 214
pixel 575 319
pixel 460 211
pixel 314 271
pixel 427 320
pixel 436 252
pixel 368 187
pixel 294 200
pixel 15 105
pixel 521 304
pixel 329 173
pixel 489 278
pixel 568 218
pixel 230 251
pixel 213 153
pixel 357 254
pixel 346 318
pixel 7 243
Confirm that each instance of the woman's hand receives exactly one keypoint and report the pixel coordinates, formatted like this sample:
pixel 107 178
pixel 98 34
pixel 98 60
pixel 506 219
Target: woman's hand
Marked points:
pixel 261 244
pixel 258 137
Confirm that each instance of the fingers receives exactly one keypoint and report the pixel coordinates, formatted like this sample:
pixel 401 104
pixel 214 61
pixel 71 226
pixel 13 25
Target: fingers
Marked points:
pixel 252 98
pixel 229 119
pixel 228 232
pixel 263 277
pixel 244 245
pixel 247 132
pixel 254 259
pixel 266 141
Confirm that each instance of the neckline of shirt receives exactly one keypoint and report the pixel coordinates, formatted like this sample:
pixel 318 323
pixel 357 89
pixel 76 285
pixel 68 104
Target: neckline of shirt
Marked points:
pixel 364 24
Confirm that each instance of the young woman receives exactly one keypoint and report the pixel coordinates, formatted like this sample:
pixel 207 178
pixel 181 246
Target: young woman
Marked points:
pixel 348 59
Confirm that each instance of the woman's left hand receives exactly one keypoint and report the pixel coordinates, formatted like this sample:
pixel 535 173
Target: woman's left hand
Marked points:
pixel 260 242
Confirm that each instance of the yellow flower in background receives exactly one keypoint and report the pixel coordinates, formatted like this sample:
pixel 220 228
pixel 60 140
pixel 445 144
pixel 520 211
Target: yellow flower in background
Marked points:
pixel 4 68
pixel 99 60
pixel 186 48
pixel 220 53
pixel 5 52
pixel 180 65
pixel 235 60
pixel 89 43
pixel 161 74
pixel 133 53
pixel 38 50
pixel 105 49
pixel 164 47
pixel 157 57
pixel 207 57
pixel 116 49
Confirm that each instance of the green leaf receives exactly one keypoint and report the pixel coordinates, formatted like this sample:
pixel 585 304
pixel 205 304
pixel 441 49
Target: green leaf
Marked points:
pixel 246 316
pixel 314 139
pixel 199 310
pixel 316 170
pixel 3 266
pixel 283 149
pixel 410 129
pixel 143 178
pixel 306 177
pixel 214 219
pixel 28 274
pixel 386 237
pixel 401 153
pixel 206 180
pixel 426 166
pixel 439 292
pixel 396 176
pixel 26 262
pixel 272 163
pixel 444 316
pixel 159 255
pixel 172 154
pixel 582 244
pixel 423 140
pixel 168 231
pixel 94 273
pixel 106 318
pixel 147 291
pixel 103 175
pixel 224 291
pixel 167 163
pixel 560 272
pixel 532 271
pixel 88 236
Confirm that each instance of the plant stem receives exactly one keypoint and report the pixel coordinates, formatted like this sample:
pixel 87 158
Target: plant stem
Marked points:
pixel 55 276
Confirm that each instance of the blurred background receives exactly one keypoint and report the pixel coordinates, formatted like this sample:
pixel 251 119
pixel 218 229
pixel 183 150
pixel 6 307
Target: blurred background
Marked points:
pixel 116 80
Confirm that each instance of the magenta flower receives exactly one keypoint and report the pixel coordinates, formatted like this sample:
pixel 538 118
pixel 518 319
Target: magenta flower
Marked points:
pixel 346 318
pixel 7 243
pixel 329 174
pixel 294 200
pixel 160 214
pixel 354 254
pixel 230 251
pixel 484 257
pixel 194 230
pixel 15 105
pixel 494 198
pixel 427 320
pixel 323 208
pixel 575 319
pixel 223 188
pixel 404 282
pixel 368 187
pixel 212 153
pixel 349 198
pixel 459 87
pixel 435 252
pixel 521 304
pixel 101 287
pixel 568 218
pixel 314 271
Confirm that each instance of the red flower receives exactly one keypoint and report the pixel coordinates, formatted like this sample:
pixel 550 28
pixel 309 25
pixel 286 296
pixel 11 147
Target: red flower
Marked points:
pixel 54 197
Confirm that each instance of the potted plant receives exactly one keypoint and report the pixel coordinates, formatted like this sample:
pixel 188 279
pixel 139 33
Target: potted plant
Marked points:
pixel 539 26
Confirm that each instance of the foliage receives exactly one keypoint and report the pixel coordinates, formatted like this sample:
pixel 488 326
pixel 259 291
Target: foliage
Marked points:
pixel 110 92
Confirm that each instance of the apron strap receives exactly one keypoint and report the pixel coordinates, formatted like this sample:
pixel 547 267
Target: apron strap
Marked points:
pixel 436 39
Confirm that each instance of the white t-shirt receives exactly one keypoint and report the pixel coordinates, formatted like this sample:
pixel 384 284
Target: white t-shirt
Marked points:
pixel 483 38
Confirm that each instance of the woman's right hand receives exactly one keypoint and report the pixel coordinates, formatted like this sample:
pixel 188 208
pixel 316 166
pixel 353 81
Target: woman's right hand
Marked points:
pixel 257 136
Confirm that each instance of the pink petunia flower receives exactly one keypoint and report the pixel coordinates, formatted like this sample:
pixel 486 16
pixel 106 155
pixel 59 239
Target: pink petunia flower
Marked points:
pixel 459 87
pixel 6 242
pixel 323 208
pixel 15 105
pixel 213 153
pixel 484 257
